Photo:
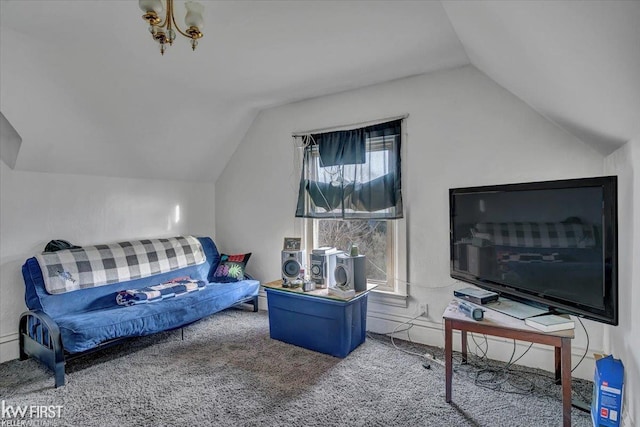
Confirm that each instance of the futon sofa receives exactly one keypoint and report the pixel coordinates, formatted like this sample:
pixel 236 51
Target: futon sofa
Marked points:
pixel 74 296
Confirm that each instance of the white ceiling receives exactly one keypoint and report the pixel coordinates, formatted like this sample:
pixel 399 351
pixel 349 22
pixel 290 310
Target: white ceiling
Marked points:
pixel 576 62
pixel 89 93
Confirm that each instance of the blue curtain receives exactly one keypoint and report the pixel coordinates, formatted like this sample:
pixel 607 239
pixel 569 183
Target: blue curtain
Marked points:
pixel 352 174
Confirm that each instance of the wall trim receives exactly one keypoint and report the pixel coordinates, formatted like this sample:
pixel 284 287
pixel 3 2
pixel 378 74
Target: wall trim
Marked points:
pixel 9 347
pixel 376 297
pixel 262 300
pixel 9 337
pixel 388 298
pixel 431 332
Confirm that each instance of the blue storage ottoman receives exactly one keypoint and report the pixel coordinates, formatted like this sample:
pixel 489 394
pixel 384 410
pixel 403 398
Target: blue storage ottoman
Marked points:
pixel 321 324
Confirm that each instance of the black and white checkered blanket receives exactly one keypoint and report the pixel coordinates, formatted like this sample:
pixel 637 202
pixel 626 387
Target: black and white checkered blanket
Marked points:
pixel 91 266
pixel 533 257
pixel 537 234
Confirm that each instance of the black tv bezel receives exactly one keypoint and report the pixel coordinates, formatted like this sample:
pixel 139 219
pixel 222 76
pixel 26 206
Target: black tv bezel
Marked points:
pixel 609 184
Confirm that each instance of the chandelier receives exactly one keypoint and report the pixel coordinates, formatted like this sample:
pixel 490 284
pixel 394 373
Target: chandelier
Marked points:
pixel 163 30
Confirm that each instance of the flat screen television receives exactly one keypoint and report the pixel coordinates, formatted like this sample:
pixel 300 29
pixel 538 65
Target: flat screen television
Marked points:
pixel 553 243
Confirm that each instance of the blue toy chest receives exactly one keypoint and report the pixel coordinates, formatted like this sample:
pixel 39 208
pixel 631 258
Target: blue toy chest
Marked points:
pixel 321 324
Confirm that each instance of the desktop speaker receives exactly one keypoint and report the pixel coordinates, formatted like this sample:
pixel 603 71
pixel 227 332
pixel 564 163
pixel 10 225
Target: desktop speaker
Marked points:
pixel 293 265
pixel 349 272
pixel 323 264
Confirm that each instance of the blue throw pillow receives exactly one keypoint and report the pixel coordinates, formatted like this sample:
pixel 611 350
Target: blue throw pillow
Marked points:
pixel 231 268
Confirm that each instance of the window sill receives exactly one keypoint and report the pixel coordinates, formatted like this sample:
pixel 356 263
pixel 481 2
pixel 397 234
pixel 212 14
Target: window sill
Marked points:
pixel 388 298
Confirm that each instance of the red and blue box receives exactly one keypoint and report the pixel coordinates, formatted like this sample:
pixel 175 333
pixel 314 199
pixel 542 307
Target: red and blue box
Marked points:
pixel 606 404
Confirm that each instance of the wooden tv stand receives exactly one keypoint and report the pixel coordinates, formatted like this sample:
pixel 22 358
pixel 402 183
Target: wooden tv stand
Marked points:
pixel 501 325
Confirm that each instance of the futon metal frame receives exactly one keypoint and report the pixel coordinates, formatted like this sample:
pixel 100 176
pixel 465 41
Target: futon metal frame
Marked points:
pixel 40 338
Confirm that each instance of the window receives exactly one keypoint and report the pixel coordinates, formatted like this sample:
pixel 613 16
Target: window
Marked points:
pixel 350 191
pixel 375 238
pixel 352 174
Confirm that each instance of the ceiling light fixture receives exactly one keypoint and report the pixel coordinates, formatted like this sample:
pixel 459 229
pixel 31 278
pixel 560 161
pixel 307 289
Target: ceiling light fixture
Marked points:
pixel 163 31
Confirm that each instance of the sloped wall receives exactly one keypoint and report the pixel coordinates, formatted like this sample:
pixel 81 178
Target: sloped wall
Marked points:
pixel 10 141
pixel 463 130
pixel 38 207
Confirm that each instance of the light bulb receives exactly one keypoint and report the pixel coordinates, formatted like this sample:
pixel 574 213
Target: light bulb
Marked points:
pixel 151 6
pixel 194 15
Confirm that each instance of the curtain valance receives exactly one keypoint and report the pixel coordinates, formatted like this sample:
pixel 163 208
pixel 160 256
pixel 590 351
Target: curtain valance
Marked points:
pixel 352 174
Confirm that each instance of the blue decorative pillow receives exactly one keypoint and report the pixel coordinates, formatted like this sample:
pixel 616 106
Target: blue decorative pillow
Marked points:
pixel 231 268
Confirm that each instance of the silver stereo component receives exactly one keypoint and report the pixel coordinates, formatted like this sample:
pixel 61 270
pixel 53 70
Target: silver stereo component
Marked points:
pixel 350 272
pixel 293 265
pixel 323 263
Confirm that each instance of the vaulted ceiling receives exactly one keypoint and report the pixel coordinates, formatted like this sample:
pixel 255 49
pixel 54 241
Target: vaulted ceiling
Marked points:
pixel 89 93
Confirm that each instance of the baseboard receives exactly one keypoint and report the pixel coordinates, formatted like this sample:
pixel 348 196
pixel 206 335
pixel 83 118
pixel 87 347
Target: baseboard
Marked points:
pixel 9 347
pixel 262 301
pixel 431 332
pixel 424 331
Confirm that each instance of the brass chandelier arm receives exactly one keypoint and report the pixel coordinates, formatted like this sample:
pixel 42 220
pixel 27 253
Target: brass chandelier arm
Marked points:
pixel 165 32
pixel 173 19
pixel 168 16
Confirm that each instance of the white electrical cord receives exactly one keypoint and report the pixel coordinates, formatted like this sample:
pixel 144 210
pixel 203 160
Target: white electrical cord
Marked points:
pixel 397 330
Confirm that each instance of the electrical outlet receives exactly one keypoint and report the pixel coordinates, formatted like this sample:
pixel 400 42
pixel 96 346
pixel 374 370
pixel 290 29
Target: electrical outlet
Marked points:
pixel 424 310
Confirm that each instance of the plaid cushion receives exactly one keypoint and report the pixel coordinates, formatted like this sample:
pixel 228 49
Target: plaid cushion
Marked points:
pixel 538 234
pixel 91 266
pixel 505 257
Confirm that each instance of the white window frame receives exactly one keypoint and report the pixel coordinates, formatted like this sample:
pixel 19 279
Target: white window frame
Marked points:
pixel 396 260
pixel 396 294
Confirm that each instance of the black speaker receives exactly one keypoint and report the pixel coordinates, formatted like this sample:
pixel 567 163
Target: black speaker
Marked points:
pixel 293 265
pixel 350 272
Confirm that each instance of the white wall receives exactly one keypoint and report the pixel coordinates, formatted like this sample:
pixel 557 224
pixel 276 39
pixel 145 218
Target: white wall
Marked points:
pixel 38 207
pixel 624 340
pixel 463 130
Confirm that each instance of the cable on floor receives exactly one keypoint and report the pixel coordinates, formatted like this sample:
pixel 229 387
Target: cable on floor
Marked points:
pixel 397 330
pixel 486 373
